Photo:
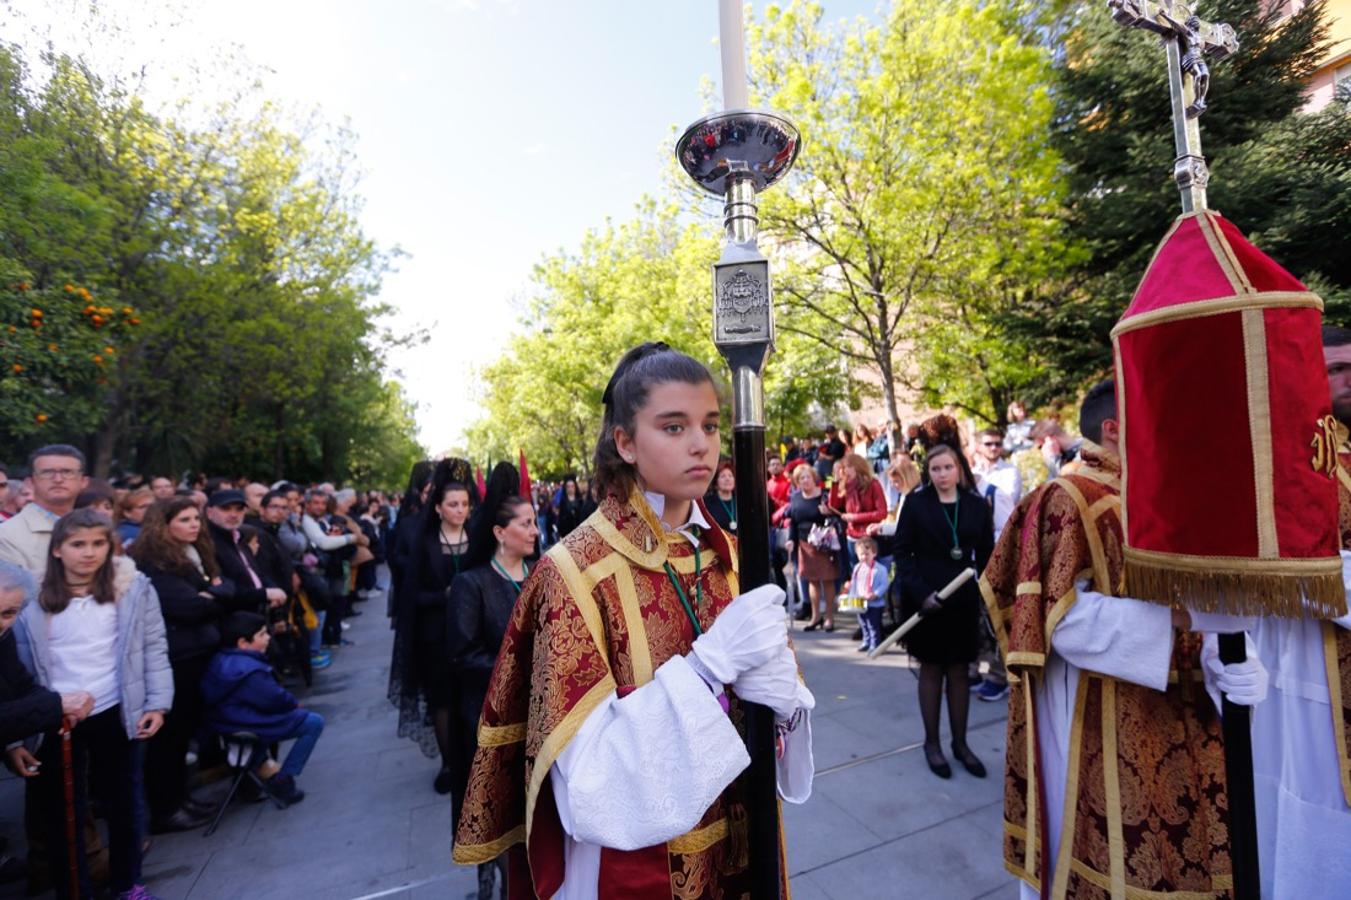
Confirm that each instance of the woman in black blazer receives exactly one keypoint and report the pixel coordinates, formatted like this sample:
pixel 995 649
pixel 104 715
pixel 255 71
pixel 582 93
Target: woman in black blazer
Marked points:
pixel 944 527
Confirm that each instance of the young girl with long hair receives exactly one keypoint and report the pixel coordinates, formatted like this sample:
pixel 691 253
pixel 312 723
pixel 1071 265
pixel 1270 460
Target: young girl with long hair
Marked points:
pixel 641 602
pixel 96 627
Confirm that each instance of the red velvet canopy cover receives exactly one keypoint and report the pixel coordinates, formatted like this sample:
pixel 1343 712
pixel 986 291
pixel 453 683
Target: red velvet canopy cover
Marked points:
pixel 1228 444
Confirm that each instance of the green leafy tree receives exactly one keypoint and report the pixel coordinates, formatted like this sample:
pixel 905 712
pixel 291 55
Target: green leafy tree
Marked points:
pixel 642 280
pixel 925 198
pixel 1281 175
pixel 239 246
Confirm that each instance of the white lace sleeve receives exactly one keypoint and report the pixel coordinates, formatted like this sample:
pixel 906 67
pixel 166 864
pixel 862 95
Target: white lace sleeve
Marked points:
pixel 644 769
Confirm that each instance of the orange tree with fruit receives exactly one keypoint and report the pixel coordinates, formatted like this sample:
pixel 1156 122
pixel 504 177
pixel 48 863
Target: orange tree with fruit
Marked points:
pixel 58 344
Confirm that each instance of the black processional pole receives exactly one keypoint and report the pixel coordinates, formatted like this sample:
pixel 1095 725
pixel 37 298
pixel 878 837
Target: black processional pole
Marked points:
pixel 1188 41
pixel 733 155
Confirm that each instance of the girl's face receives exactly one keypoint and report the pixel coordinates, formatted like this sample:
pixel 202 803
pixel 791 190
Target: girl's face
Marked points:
pixel 866 553
pixel 846 473
pixel 943 472
pixel 185 526
pixel 570 490
pixel 454 508
pixel 674 445
pixel 726 481
pixel 517 538
pixel 83 552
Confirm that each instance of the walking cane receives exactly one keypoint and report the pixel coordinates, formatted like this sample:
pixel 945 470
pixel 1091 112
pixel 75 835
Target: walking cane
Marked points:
pixel 68 790
pixel 951 588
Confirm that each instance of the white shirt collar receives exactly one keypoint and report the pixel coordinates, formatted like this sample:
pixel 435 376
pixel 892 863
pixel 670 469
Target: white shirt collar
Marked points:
pixel 696 518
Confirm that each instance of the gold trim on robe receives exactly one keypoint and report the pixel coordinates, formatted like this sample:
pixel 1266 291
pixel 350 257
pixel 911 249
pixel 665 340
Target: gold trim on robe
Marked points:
pixel 1145 809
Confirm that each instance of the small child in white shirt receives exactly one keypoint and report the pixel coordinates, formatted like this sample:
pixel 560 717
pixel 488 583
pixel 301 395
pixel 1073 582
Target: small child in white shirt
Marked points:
pixel 869 582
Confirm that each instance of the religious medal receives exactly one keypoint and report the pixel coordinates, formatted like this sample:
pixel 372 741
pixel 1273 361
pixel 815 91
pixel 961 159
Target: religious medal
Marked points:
pixel 955 553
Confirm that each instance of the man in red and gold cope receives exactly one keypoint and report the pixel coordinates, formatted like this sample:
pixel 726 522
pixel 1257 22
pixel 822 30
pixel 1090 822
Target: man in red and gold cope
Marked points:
pixel 1108 699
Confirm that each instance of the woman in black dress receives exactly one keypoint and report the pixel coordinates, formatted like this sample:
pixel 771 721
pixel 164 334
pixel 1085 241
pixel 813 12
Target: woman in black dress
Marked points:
pixel 572 507
pixel 502 535
pixel 944 527
pixel 435 554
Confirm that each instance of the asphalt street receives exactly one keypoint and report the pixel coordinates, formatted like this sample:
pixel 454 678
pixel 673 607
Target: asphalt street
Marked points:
pixel 879 824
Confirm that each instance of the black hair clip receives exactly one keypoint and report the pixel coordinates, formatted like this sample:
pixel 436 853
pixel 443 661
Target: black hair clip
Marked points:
pixel 641 351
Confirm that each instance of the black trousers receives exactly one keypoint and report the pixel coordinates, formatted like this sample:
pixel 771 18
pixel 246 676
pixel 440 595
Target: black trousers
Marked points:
pixel 166 767
pixel 99 746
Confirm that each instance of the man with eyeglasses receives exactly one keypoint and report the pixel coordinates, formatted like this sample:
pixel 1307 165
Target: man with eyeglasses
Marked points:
pixel 57 479
pixel 997 479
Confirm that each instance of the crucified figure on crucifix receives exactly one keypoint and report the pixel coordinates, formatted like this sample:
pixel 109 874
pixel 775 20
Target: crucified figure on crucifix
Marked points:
pixel 1189 40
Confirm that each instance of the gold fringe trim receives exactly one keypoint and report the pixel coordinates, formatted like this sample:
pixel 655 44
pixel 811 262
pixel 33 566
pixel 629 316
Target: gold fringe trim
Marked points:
pixel 1238 590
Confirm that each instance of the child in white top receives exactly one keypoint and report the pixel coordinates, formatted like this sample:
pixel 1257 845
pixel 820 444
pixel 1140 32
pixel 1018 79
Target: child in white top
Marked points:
pixel 869 582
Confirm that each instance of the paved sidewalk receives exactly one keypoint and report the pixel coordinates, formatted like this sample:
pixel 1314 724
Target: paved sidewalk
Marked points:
pixel 879 824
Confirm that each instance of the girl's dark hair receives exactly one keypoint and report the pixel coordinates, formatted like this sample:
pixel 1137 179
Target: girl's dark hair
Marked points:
pixel 499 506
pixel 55 594
pixel 155 548
pixel 639 371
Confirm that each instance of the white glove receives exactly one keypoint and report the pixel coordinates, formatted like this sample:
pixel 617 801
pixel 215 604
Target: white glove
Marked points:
pixel 1243 683
pixel 773 684
pixel 748 633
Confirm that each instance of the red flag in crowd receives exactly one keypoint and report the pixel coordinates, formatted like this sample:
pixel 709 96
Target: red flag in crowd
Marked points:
pixel 525 477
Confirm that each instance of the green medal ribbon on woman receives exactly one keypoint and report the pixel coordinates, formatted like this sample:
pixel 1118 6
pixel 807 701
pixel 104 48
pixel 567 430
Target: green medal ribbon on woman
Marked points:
pixel 956 551
pixel 507 575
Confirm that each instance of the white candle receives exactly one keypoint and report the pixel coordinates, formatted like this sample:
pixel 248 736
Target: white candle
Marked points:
pixel 732 42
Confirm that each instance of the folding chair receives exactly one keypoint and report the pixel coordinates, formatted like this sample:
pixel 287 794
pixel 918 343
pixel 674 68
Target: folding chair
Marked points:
pixel 242 751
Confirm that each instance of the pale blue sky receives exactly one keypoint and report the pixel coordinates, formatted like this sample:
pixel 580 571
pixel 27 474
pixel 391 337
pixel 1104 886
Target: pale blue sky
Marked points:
pixel 491 132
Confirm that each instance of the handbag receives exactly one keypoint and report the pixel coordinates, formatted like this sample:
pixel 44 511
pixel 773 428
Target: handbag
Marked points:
pixel 823 537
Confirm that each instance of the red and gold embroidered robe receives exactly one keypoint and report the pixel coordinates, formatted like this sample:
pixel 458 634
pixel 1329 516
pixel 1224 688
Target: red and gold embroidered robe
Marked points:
pixel 598 616
pixel 1144 795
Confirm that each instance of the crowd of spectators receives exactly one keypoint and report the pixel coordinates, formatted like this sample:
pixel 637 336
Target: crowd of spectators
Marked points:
pixel 140 620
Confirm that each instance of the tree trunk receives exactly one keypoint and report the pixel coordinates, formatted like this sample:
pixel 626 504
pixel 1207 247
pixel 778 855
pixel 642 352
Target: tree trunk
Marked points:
pixel 108 436
pixel 895 436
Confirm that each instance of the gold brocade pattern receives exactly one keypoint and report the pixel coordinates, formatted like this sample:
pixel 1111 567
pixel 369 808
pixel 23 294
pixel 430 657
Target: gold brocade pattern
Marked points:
pixel 596 616
pixel 1145 802
pixel 1337 640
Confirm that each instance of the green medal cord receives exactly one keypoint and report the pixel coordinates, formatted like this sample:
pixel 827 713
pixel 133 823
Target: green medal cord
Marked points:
pixel 952 521
pixel 507 575
pixel 730 509
pixel 680 591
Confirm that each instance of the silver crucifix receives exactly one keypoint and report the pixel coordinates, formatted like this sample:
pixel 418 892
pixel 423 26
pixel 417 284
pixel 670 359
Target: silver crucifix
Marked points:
pixel 1189 41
